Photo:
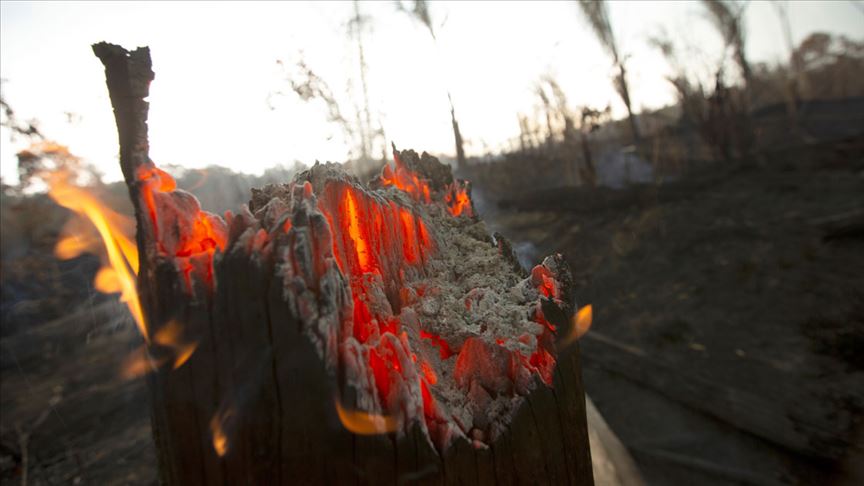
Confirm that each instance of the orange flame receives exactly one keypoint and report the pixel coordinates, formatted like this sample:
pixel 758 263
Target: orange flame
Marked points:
pixel 405 180
pixel 581 323
pixel 138 363
pixel 458 201
pixel 169 336
pixel 362 423
pixel 71 246
pixel 218 426
pixel 141 362
pixel 97 229
pixel 119 274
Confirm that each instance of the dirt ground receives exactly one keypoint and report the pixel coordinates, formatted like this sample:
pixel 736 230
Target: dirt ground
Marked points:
pixel 728 313
pixel 726 346
pixel 65 403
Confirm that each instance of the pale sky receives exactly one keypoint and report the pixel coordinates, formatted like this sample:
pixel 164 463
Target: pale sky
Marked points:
pixel 215 67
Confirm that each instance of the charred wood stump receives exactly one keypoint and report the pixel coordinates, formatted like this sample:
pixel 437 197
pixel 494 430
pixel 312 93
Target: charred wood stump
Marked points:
pixel 337 332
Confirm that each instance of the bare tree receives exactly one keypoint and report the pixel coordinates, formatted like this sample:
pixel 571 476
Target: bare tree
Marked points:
pixel 728 18
pixel 524 138
pixel 689 90
pixel 362 131
pixel 730 114
pixel 547 110
pixel 795 81
pixel 597 14
pixel 457 136
pixel 566 121
pixel 27 129
pixel 420 11
pixel 558 116
pixel 717 115
pixel 357 25
pixel 591 119
pixel 309 86
pixel 529 133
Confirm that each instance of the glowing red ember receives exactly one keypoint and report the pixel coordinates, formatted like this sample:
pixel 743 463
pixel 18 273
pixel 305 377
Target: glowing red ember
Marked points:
pixel 400 287
pixel 404 179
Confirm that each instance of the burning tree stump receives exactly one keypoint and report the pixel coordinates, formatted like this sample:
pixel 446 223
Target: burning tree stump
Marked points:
pixel 335 332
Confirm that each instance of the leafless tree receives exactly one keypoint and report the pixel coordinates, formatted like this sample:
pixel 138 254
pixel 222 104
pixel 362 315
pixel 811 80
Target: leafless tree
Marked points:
pixel 728 18
pixel 524 138
pixel 591 119
pixel 558 116
pixel 361 131
pixel 548 111
pixel 309 86
pixel 597 14
pixel 529 133
pixel 357 25
pixel 419 10
pixel 795 78
pixel 717 114
pixel 565 121
pixel 688 89
pixel 729 108
pixel 17 127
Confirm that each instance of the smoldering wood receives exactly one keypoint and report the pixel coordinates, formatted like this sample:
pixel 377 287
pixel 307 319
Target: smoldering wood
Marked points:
pixel 258 376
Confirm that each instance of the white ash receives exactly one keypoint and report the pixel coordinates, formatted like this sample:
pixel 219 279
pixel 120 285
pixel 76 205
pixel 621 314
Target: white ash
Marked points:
pixel 468 294
pixel 467 270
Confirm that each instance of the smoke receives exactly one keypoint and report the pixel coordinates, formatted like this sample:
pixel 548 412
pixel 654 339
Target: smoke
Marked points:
pixel 619 168
pixel 488 210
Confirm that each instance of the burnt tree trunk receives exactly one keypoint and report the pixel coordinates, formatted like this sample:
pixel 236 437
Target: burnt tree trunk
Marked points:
pixel 457 136
pixel 624 90
pixel 254 404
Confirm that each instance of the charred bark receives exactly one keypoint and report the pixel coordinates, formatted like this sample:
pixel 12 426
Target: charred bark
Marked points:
pixel 457 137
pixel 624 91
pixel 266 296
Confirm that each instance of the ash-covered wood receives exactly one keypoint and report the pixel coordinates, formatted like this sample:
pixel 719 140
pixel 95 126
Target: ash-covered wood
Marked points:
pixel 348 333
